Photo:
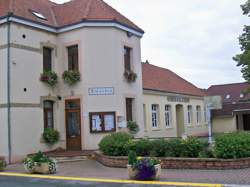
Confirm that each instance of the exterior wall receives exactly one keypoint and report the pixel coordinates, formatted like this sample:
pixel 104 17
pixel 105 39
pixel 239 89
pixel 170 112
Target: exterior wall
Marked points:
pixel 3 93
pixel 101 65
pixel 168 132
pixel 223 124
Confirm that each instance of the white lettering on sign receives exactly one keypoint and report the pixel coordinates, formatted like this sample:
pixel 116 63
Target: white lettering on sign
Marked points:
pixel 178 99
pixel 101 91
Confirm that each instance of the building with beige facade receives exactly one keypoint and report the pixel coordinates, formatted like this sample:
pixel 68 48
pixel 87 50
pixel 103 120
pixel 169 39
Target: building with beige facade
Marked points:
pixel 41 40
pixel 172 106
pixel 88 37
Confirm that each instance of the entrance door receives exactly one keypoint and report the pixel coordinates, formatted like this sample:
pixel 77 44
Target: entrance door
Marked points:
pixel 180 120
pixel 73 124
pixel 246 122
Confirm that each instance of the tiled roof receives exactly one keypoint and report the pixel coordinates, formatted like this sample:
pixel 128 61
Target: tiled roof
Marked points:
pixel 160 79
pixel 234 102
pixel 228 109
pixel 234 90
pixel 59 15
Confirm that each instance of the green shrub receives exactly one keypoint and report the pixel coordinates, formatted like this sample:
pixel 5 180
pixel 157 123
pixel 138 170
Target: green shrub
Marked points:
pixel 174 148
pixel 49 77
pixel 132 157
pixel 115 144
pixel 143 147
pixel 159 148
pixel 2 165
pixel 206 154
pixel 51 136
pixel 232 145
pixel 192 146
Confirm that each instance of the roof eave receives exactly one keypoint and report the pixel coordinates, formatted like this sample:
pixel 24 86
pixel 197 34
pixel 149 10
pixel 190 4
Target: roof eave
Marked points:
pixel 66 28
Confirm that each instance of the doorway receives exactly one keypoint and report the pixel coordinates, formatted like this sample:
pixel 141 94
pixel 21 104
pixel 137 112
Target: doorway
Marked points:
pixel 180 120
pixel 73 124
pixel 246 122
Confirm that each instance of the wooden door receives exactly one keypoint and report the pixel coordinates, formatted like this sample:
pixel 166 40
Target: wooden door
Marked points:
pixel 73 124
pixel 246 122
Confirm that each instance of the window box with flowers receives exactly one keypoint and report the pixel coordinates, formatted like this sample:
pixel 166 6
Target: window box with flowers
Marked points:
pixel 139 168
pixel 71 77
pixel 130 76
pixel 49 77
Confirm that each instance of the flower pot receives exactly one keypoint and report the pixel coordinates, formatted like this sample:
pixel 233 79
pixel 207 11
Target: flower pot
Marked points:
pixel 132 173
pixel 42 168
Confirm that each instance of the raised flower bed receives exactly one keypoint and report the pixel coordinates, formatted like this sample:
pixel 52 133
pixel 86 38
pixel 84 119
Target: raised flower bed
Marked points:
pixel 41 164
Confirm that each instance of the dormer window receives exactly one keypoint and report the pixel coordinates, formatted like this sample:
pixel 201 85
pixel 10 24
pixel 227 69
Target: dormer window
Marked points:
pixel 228 96
pixel 241 95
pixel 39 15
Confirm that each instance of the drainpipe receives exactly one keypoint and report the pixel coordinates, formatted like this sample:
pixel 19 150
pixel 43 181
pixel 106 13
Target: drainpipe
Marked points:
pixel 8 87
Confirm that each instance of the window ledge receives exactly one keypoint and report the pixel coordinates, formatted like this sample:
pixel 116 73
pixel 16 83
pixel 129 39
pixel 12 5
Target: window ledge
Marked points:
pixel 156 129
pixel 169 128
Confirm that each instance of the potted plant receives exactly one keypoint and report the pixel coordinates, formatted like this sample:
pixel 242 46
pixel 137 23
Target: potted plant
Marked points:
pixel 130 76
pixel 49 77
pixel 143 168
pixel 40 163
pixel 50 136
pixel 132 127
pixel 71 77
pixel 2 164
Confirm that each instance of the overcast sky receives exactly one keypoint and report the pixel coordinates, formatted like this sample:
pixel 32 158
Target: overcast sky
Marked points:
pixel 194 38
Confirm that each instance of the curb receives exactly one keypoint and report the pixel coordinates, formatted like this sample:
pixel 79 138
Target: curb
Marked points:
pixel 110 180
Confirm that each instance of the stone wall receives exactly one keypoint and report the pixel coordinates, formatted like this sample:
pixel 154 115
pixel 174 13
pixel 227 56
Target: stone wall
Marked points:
pixel 180 163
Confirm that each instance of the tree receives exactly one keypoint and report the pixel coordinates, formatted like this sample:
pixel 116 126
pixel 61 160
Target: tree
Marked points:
pixel 243 59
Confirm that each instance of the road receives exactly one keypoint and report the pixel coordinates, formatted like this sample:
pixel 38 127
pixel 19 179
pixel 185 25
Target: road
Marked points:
pixel 7 181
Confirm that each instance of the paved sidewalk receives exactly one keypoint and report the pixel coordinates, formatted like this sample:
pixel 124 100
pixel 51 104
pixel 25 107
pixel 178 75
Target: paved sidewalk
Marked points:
pixel 92 169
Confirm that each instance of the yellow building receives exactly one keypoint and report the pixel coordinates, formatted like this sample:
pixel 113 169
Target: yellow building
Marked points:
pixel 173 107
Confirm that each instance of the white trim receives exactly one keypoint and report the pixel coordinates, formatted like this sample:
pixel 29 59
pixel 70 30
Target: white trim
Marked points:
pixel 72 27
pixel 99 24
pixel 39 26
pixel 241 110
pixel 2 21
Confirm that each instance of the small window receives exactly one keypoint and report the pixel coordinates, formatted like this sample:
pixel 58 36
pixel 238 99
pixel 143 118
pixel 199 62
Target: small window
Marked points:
pixel 129 109
pixel 102 122
pixel 228 96
pixel 155 115
pixel 189 114
pixel 48 114
pixel 198 114
pixel 73 58
pixel 47 59
pixel 168 116
pixel 39 15
pixel 242 95
pixel 127 58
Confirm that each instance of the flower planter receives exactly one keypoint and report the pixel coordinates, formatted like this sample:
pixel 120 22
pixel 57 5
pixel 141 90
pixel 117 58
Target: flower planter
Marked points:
pixel 41 168
pixel 132 173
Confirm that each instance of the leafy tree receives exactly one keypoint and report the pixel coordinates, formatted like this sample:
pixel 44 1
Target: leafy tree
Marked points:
pixel 243 59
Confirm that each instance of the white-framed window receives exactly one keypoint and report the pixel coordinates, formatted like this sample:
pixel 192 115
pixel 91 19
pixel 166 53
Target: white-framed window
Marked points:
pixel 168 116
pixel 198 114
pixel 155 113
pixel 189 114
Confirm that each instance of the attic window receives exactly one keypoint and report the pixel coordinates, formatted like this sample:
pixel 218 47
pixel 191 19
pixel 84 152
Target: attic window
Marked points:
pixel 39 15
pixel 228 96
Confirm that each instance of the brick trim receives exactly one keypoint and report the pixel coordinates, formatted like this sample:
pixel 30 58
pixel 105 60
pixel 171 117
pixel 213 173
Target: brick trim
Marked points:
pixel 180 163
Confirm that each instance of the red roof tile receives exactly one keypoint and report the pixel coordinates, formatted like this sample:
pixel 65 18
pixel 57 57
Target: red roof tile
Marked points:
pixel 59 15
pixel 160 79
pixel 234 90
